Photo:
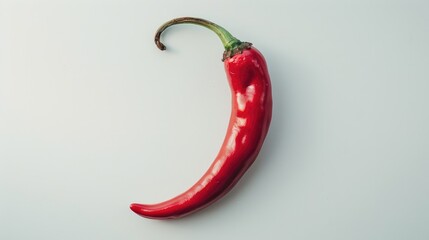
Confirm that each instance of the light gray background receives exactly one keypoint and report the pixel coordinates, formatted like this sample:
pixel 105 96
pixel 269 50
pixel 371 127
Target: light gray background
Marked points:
pixel 93 117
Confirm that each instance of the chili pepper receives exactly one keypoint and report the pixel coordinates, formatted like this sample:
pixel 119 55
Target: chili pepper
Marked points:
pixel 250 118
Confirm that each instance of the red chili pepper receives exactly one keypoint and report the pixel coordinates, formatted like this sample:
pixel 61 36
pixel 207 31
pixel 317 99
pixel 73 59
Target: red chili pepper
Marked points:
pixel 249 122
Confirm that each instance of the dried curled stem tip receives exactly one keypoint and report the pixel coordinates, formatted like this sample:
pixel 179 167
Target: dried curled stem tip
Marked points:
pixel 158 42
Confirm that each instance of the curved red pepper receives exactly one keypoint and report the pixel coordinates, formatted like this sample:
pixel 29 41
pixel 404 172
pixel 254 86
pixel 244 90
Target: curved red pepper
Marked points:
pixel 249 122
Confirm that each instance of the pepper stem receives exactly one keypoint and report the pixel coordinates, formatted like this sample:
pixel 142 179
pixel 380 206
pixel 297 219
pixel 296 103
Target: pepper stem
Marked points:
pixel 231 44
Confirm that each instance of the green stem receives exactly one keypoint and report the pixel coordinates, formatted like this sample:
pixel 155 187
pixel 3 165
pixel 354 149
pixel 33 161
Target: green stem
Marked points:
pixel 228 41
pixel 232 45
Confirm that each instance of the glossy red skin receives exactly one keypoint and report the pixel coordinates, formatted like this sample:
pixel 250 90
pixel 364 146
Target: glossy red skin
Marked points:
pixel 248 126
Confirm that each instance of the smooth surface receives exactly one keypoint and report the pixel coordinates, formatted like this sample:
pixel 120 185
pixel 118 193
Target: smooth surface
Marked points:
pixel 251 112
pixel 93 116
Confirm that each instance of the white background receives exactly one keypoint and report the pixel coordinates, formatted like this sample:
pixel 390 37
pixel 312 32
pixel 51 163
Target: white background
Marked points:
pixel 93 117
